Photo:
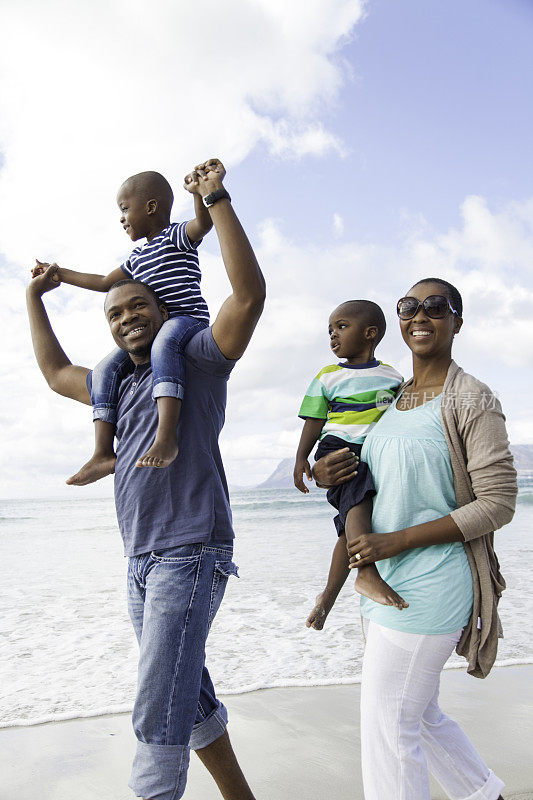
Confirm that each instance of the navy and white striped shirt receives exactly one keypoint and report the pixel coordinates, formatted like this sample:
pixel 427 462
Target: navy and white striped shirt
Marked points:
pixel 169 265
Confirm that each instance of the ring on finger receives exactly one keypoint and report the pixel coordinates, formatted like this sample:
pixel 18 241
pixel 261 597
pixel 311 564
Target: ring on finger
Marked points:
pixel 357 556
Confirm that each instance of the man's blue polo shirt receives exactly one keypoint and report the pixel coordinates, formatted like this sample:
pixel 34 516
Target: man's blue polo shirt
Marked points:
pixel 187 501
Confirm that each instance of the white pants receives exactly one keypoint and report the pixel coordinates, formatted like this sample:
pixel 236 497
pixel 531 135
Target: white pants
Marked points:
pixel 403 731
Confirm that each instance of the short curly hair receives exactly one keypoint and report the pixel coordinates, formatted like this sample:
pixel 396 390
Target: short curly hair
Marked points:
pixel 369 313
pixel 145 286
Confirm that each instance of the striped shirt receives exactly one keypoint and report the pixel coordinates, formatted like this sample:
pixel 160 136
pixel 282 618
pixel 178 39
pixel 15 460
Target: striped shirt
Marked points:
pixel 169 265
pixel 350 398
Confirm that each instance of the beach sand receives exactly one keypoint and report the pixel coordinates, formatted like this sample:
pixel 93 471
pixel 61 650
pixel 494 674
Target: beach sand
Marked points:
pixel 301 744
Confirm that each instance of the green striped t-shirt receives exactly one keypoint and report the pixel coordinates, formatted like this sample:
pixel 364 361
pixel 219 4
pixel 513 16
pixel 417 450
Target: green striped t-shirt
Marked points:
pixel 350 398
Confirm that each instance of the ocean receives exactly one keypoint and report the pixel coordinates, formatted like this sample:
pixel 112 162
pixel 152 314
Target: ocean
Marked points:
pixel 67 649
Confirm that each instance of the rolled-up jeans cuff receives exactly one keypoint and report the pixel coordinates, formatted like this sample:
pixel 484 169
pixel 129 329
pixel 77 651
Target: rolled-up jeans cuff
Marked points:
pixel 167 389
pixel 159 771
pixel 491 789
pixel 211 728
pixel 105 414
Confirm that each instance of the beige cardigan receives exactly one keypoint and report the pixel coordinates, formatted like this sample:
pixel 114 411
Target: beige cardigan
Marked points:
pixel 485 489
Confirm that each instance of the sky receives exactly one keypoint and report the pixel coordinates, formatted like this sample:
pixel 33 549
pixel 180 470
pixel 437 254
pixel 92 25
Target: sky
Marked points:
pixel 368 145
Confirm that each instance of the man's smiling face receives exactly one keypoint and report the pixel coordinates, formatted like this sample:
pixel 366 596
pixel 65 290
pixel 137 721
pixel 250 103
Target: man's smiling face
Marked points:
pixel 134 317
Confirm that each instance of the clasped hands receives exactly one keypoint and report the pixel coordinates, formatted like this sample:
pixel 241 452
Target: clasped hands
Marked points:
pixel 46 277
pixel 206 177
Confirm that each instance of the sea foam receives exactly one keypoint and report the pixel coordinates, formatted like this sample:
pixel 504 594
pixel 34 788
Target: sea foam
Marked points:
pixel 66 644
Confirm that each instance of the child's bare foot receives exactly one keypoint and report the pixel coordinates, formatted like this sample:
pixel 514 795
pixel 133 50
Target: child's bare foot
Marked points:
pixel 370 584
pixel 159 455
pixel 98 467
pixel 317 617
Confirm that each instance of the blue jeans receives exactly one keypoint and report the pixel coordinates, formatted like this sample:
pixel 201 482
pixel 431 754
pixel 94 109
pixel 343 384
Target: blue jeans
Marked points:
pixel 168 367
pixel 173 596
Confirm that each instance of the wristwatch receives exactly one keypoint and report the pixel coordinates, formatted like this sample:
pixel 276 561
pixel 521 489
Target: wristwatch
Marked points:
pixel 219 194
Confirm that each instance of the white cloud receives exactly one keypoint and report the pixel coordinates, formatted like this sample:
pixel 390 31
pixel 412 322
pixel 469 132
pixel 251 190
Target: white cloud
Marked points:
pixel 338 225
pixel 291 342
pixel 93 92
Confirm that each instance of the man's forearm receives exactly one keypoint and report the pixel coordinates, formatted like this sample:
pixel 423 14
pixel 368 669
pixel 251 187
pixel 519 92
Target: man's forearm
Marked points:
pixel 240 312
pixel 243 271
pixel 59 372
pixel 49 354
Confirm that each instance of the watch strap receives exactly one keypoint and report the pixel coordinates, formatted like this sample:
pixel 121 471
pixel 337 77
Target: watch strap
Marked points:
pixel 220 194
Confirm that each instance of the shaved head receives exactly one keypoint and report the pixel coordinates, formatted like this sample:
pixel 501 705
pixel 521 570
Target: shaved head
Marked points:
pixel 150 186
pixel 142 287
pixel 367 312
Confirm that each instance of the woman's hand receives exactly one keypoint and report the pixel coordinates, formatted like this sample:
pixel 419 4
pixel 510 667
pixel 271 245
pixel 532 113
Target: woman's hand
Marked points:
pixel 372 547
pixel 335 468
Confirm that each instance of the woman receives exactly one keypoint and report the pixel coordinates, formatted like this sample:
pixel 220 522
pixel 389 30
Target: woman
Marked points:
pixel 445 481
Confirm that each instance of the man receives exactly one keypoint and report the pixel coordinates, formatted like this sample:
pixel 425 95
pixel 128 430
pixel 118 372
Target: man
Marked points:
pixel 175 522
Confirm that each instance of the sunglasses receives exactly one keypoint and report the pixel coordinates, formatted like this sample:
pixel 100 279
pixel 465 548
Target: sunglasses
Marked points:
pixel 436 306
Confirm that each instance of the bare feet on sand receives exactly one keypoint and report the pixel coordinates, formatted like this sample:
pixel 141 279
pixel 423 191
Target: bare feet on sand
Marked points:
pixel 159 455
pixel 371 585
pixel 317 617
pixel 98 467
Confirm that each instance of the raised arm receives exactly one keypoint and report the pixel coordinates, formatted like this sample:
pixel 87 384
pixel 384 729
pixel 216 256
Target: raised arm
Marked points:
pixel 202 223
pixel 240 312
pixel 85 280
pixel 61 375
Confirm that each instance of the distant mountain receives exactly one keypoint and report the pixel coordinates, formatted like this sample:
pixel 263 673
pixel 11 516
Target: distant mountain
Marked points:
pixel 282 478
pixel 523 457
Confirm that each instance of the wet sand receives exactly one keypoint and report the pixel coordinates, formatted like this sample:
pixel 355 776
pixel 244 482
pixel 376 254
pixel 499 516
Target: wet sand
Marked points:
pixel 301 744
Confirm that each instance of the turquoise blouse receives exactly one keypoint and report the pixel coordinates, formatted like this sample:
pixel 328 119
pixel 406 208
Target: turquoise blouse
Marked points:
pixel 410 463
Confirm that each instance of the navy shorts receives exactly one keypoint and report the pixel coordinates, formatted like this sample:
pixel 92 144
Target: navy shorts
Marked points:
pixel 347 495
